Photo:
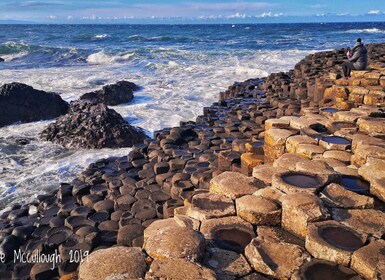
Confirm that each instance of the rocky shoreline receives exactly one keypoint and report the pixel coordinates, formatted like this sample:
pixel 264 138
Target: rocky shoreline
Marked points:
pixel 282 178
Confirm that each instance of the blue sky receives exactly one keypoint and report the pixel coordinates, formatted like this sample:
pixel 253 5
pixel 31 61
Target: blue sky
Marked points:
pixel 91 11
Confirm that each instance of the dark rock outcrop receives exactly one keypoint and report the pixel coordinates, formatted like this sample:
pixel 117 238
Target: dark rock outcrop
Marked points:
pixel 93 126
pixel 20 102
pixel 2 59
pixel 114 94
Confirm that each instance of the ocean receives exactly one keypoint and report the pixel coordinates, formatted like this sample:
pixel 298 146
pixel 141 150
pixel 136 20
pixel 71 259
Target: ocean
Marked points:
pixel 180 68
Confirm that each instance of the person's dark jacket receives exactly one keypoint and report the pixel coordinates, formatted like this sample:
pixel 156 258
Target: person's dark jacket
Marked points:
pixel 359 57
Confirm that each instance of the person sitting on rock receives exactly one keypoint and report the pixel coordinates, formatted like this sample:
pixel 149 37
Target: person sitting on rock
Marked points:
pixel 358 59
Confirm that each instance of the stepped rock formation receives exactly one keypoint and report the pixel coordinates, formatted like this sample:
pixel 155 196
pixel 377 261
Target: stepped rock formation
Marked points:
pixel 92 126
pixel 312 207
pixel 114 94
pixel 20 102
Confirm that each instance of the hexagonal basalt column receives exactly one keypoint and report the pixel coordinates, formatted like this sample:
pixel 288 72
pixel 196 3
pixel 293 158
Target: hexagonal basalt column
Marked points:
pixel 309 150
pixel 277 259
pixel 265 173
pixel 335 143
pixel 249 161
pixel 174 242
pixel 365 221
pixel 226 264
pixel 258 210
pixel 234 185
pixel 298 181
pixel 228 233
pixel 316 166
pixel 321 269
pixel 333 241
pixel 298 210
pixel 372 126
pixel 210 205
pixel 367 260
pixel 276 123
pixel 293 142
pixel 275 142
pixel 226 159
pixel 363 153
pixel 288 161
pixel 114 262
pixel 337 196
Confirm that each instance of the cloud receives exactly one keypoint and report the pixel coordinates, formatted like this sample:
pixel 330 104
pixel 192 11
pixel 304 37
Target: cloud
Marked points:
pixel 269 14
pixel 342 14
pixel 237 15
pixel 70 18
pixel 374 12
pixel 52 17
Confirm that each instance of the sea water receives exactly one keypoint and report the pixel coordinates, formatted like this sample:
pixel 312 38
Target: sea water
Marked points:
pixel 180 68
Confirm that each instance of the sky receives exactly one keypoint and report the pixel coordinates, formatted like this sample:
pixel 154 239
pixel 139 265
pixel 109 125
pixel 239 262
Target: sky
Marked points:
pixel 174 11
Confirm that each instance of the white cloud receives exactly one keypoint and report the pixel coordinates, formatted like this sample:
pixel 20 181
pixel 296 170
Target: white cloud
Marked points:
pixel 342 14
pixel 52 17
pixel 269 14
pixel 70 17
pixel 374 12
pixel 237 15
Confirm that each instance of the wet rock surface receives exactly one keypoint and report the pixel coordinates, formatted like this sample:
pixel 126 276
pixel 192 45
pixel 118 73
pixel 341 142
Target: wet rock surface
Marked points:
pixel 92 126
pixel 193 182
pixel 23 103
pixel 114 94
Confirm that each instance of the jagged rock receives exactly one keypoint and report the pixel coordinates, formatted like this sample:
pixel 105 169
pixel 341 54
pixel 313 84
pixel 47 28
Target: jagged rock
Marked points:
pixel 92 126
pixel 114 263
pixel 2 59
pixel 114 94
pixel 20 102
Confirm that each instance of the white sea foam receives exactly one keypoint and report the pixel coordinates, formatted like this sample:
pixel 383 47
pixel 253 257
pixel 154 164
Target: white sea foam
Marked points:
pixel 102 36
pixel 14 56
pixel 176 86
pixel 366 30
pixel 39 166
pixel 103 58
pixel 100 58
